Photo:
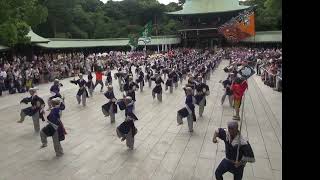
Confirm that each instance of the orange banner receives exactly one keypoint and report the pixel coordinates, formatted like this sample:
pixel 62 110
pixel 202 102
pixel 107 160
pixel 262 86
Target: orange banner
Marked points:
pixel 248 25
pixel 239 28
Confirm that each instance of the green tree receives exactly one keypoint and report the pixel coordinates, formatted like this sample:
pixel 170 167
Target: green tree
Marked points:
pixel 181 2
pixel 16 17
pixel 91 5
pixel 59 16
pixel 82 20
pixel 173 7
pixel 93 19
pixel 274 9
pixel 268 14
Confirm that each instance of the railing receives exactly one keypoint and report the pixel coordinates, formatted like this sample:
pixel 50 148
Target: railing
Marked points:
pixel 200 27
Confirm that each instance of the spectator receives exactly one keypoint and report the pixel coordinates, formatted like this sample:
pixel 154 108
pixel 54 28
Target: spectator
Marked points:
pixel 279 79
pixel 259 62
pixel 3 77
pixel 29 78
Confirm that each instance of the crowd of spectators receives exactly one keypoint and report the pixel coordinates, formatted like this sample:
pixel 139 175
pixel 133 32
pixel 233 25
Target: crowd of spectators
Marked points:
pixel 19 75
pixel 266 61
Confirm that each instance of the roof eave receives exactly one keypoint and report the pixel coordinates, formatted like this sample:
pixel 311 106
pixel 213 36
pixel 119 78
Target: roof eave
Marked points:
pixel 178 13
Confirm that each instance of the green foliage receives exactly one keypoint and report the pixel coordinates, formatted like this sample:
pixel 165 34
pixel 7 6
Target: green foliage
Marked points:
pixel 268 14
pixel 181 2
pixel 22 30
pixel 133 40
pixel 15 18
pixel 114 19
pixel 8 34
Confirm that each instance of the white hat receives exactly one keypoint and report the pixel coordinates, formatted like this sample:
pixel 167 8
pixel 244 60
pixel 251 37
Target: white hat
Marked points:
pixel 57 99
pixel 34 89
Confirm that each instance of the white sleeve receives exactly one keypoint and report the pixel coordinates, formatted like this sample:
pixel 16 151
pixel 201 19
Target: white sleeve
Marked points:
pixel 193 100
pixel 188 109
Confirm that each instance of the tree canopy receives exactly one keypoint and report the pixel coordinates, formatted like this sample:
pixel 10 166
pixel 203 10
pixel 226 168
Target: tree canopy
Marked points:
pixel 16 17
pixel 95 19
pixel 268 14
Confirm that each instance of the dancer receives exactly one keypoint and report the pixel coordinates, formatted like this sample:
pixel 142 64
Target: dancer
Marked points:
pixel 99 75
pixel 130 88
pixel 110 108
pixel 109 77
pixel 169 82
pixel 233 140
pixel 55 91
pixel 191 82
pixel 175 77
pixel 82 92
pixel 90 84
pixel 127 130
pixel 158 88
pixel 187 111
pixel 202 90
pixel 140 79
pixel 149 76
pixel 120 75
pixel 36 110
pixel 54 127
pixel 227 87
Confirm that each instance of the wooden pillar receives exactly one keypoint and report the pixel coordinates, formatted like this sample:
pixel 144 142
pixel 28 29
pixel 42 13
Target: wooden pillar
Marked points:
pixel 185 39
pixel 51 55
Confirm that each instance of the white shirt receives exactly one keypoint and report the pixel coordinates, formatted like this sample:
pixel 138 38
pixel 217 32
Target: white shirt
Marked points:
pixel 28 73
pixel 3 74
pixel 17 74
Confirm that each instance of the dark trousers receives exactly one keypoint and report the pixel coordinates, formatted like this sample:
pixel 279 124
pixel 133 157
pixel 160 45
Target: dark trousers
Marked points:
pixel 98 82
pixel 2 88
pixel 228 166
pixel 258 69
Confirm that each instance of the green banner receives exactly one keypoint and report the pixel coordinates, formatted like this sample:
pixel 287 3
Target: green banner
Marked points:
pixel 133 41
pixel 146 33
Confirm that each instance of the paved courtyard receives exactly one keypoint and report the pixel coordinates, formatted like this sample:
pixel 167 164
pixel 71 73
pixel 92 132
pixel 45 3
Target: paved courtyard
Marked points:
pixel 163 150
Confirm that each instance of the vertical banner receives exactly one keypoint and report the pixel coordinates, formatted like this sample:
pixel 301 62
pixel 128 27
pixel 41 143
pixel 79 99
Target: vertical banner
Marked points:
pixel 146 33
pixel 133 42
